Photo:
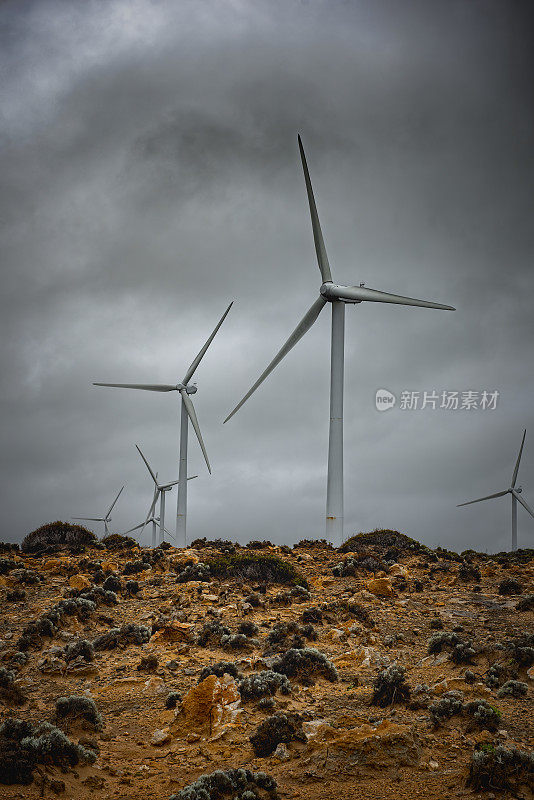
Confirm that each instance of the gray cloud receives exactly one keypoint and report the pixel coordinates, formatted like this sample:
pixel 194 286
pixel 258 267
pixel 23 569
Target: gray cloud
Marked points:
pixel 150 175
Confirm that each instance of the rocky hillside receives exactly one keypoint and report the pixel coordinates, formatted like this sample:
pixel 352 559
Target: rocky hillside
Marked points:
pixel 383 669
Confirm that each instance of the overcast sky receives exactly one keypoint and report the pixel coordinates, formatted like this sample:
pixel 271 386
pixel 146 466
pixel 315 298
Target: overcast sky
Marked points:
pixel 150 175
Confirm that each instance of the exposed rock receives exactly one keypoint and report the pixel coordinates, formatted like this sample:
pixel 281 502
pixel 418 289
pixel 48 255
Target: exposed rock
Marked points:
pixel 381 587
pixel 386 745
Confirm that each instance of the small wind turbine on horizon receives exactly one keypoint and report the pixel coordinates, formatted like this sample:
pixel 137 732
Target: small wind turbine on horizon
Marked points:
pixel 105 519
pixel 160 490
pixel 338 296
pixel 187 413
pixel 515 493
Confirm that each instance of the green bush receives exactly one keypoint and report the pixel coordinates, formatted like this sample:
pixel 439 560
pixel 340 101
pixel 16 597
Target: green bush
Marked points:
pixel 78 707
pixel 305 664
pixel 496 767
pixel 390 686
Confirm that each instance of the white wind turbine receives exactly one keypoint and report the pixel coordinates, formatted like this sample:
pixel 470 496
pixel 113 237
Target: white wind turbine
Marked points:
pixel 515 493
pixel 338 296
pixel 106 518
pixel 160 489
pixel 187 413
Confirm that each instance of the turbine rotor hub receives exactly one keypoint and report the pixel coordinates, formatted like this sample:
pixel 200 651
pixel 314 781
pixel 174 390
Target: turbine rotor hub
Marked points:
pixel 327 292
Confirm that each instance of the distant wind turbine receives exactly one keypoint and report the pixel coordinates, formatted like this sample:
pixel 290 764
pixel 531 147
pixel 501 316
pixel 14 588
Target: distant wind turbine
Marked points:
pixel 515 493
pixel 187 413
pixel 105 519
pixel 337 295
pixel 160 490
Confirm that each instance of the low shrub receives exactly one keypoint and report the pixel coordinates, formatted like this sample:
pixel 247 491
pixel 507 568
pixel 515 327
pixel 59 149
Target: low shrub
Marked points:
pixel 312 614
pixel 390 686
pixel 219 669
pixel 513 689
pixel 148 663
pixel 112 584
pixel 263 684
pixel 10 693
pixel 56 535
pixel 194 572
pixel 121 637
pixel 483 714
pixel 256 567
pixel 131 588
pixel 525 604
pixel 115 542
pixel 469 572
pixel 78 707
pixel 16 595
pixel 274 730
pixel 135 567
pixel 238 641
pixel 232 784
pixel 449 705
pixel 211 633
pixel 82 648
pixel 510 586
pixel 172 699
pixel 217 544
pixel 24 746
pixel 257 545
pixel 248 628
pixel 305 664
pixel 383 540
pixel 497 767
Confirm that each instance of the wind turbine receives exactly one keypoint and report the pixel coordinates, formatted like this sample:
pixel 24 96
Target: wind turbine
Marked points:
pixel 159 493
pixel 187 413
pixel 105 519
pixel 338 296
pixel 515 493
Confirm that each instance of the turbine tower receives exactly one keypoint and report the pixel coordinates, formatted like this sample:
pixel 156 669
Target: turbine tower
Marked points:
pixel 338 296
pixel 515 493
pixel 187 413
pixel 106 518
pixel 160 490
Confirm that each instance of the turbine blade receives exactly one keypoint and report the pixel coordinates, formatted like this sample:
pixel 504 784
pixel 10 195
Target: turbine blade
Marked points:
pixel 524 504
pixel 142 525
pixel 147 465
pixel 489 497
pixel 173 483
pixel 516 470
pixel 91 519
pixel 361 293
pixel 189 407
pixel 149 387
pixel 200 356
pixel 113 504
pixel 320 249
pixel 304 325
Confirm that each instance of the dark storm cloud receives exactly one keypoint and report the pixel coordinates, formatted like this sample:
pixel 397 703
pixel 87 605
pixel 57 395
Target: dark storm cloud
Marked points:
pixel 150 175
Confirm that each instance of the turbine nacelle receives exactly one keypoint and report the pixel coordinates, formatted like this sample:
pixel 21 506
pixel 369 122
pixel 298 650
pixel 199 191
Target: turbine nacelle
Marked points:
pixel 335 291
pixel 180 387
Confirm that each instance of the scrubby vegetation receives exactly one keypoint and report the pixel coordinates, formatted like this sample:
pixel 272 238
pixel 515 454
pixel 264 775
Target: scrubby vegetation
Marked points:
pixel 275 730
pixel 219 669
pixel 232 784
pixel 305 664
pixel 57 535
pixel 510 586
pixel 390 686
pixel 10 693
pixel 513 689
pixel 287 635
pixel 446 707
pixel 391 543
pixel 24 746
pixel 76 707
pixel 499 768
pixel 212 632
pixel 194 572
pixel 117 542
pixel 357 563
pixel 121 637
pixel 462 652
pixel 526 603
pixel 483 714
pixel 82 648
pixel 263 684
pixel 255 567
pixel 469 572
